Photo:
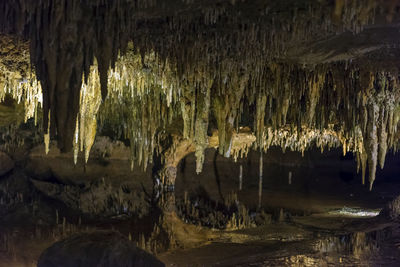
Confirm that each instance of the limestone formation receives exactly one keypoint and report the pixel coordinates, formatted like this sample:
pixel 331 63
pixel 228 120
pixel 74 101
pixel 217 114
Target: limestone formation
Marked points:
pixel 149 70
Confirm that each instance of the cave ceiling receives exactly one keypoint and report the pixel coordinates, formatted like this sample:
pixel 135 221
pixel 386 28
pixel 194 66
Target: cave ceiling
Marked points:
pixel 295 74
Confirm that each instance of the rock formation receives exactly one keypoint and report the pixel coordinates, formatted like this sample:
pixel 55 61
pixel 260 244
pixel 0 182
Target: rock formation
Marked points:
pixel 99 248
pixel 299 74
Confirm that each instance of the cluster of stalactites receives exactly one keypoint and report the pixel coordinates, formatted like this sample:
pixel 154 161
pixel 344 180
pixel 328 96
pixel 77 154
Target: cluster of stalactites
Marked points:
pixel 191 68
pixel 26 90
pixel 379 124
pixel 328 106
pixel 355 110
pixel 241 143
pixel 294 139
pixel 141 102
pixel 361 105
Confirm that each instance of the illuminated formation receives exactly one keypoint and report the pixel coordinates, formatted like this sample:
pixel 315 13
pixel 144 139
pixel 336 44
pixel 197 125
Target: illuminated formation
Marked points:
pixel 149 73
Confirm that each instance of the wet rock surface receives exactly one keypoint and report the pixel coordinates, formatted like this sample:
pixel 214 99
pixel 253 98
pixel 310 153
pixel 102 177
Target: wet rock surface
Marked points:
pixel 96 249
pixel 207 218
pixel 48 199
pixel 184 230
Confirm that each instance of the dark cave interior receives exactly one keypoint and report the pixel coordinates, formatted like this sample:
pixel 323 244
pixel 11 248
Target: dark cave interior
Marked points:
pixel 199 133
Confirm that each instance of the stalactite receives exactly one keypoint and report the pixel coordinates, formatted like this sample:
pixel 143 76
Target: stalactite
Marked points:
pixel 372 142
pixel 363 157
pixel 86 122
pixel 47 137
pixel 201 126
pixel 131 85
pixel 242 142
pixel 260 118
pixel 226 109
pixel 149 81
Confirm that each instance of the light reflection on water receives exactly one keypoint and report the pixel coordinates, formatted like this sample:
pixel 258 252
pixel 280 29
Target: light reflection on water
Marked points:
pixel 355 212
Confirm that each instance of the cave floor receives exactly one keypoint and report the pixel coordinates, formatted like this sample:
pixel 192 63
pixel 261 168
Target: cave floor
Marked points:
pixel 327 223
pixel 316 240
pixel 323 239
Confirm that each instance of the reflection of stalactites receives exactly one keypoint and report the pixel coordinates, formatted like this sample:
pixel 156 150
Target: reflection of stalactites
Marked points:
pixel 201 126
pixel 260 180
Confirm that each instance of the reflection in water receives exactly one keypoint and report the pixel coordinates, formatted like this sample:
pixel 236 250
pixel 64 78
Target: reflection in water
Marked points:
pixel 197 218
pixel 353 212
pixel 260 181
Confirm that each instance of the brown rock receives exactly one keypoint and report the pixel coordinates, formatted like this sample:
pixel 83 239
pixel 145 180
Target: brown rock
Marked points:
pixel 100 248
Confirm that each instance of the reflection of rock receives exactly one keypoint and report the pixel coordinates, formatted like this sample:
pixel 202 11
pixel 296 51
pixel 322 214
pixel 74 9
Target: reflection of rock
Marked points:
pixel 105 186
pixel 67 194
pixel 171 232
pixel 100 198
pixel 184 235
pixel 101 248
pixel 180 234
pixel 6 164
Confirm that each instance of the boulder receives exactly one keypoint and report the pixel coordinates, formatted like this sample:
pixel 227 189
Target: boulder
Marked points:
pixel 100 249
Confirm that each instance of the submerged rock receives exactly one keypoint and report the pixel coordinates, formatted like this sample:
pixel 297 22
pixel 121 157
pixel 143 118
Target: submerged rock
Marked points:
pixel 100 248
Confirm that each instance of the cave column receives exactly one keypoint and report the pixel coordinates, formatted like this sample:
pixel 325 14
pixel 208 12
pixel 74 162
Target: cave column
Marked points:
pixel 178 149
pixel 181 147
